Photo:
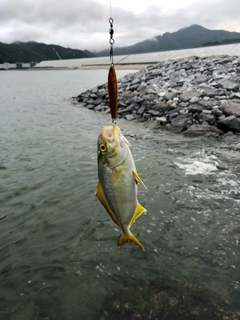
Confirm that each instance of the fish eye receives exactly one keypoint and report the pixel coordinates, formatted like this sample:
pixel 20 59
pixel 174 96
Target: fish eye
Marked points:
pixel 102 147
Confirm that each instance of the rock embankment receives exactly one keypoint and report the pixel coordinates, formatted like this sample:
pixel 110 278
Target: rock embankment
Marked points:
pixel 194 96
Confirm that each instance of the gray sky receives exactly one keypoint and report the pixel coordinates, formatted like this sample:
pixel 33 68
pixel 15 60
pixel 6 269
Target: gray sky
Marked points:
pixel 83 24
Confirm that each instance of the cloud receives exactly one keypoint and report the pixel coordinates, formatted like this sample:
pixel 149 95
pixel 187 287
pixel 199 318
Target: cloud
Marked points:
pixel 84 24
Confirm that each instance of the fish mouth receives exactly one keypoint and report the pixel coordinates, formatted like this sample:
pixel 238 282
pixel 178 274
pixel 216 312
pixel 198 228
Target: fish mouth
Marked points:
pixel 114 135
pixel 111 134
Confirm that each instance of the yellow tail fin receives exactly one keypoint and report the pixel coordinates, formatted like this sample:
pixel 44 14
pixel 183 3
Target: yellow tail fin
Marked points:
pixel 123 238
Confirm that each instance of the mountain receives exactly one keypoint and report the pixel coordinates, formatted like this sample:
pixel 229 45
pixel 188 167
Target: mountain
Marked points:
pixel 35 52
pixel 190 37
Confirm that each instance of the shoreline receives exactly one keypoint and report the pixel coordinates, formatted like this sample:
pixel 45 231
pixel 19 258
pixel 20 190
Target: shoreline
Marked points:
pixel 194 97
pixel 136 67
pixel 142 59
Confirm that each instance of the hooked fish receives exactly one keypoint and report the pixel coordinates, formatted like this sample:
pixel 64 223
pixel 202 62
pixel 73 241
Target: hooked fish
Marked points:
pixel 118 182
pixel 112 92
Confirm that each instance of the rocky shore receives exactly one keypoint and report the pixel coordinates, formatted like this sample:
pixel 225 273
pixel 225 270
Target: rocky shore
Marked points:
pixel 191 96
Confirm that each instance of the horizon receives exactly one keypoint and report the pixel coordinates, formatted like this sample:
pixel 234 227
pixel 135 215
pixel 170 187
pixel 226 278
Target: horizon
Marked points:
pixel 107 48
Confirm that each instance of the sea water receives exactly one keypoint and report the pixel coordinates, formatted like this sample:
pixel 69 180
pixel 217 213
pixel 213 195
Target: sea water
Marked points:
pixel 58 253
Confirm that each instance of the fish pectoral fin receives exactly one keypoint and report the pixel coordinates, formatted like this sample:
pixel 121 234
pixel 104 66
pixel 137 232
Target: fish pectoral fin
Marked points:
pixel 137 178
pixel 138 211
pixel 100 195
pixel 123 238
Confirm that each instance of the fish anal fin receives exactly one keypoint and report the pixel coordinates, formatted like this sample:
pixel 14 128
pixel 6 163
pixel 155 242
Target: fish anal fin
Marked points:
pixel 138 211
pixel 137 178
pixel 123 238
pixel 100 195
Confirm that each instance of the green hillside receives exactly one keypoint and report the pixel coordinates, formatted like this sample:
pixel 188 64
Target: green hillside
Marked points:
pixel 36 52
pixel 191 37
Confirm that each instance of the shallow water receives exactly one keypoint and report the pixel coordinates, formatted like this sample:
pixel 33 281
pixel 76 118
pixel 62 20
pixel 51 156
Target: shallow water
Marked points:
pixel 58 253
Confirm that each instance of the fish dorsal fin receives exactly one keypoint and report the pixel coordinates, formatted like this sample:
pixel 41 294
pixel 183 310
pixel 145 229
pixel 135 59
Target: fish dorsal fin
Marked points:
pixel 138 211
pixel 137 178
pixel 99 193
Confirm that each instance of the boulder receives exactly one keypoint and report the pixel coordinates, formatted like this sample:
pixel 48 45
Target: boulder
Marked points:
pixel 187 95
pixel 154 113
pixel 228 85
pixel 210 92
pixel 230 123
pixel 129 117
pixel 195 109
pixel 161 120
pixel 179 124
pixel 197 130
pixel 231 108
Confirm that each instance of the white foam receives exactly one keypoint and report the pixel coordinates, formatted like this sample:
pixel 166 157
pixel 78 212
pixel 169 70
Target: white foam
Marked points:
pixel 200 162
pixel 197 167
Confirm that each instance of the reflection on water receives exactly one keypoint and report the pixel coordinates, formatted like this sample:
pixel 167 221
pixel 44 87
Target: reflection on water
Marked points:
pixel 58 252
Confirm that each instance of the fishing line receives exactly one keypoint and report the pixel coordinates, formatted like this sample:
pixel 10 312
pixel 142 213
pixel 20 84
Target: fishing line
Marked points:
pixel 110 9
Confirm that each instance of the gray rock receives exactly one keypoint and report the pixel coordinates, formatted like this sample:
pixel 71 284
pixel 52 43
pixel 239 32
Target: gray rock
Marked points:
pixel 169 95
pixel 209 118
pixel 129 117
pixel 228 85
pixel 184 104
pixel 235 95
pixel 121 104
pixel 222 117
pixel 156 73
pixel 93 95
pixel 135 81
pixel 207 111
pixel 160 106
pixel 195 109
pixel 98 108
pixel 133 87
pixel 230 123
pixel 231 108
pixel 141 110
pixel 161 94
pixel 206 104
pixel 97 101
pixel 153 81
pixel 172 115
pixel 197 130
pixel 90 106
pixel 146 116
pixel 187 95
pixel 217 112
pixel 161 120
pixel 194 99
pixel 153 112
pixel 179 124
pixel 203 78
pixel 211 92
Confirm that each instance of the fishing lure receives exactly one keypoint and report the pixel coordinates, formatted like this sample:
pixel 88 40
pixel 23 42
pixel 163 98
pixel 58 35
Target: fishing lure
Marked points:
pixel 113 92
pixel 112 78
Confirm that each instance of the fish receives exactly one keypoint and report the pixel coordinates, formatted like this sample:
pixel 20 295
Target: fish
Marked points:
pixel 118 182
pixel 113 92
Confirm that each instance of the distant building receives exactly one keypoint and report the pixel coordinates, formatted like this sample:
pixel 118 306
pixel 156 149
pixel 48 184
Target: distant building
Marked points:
pixel 17 65
pixel 6 66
